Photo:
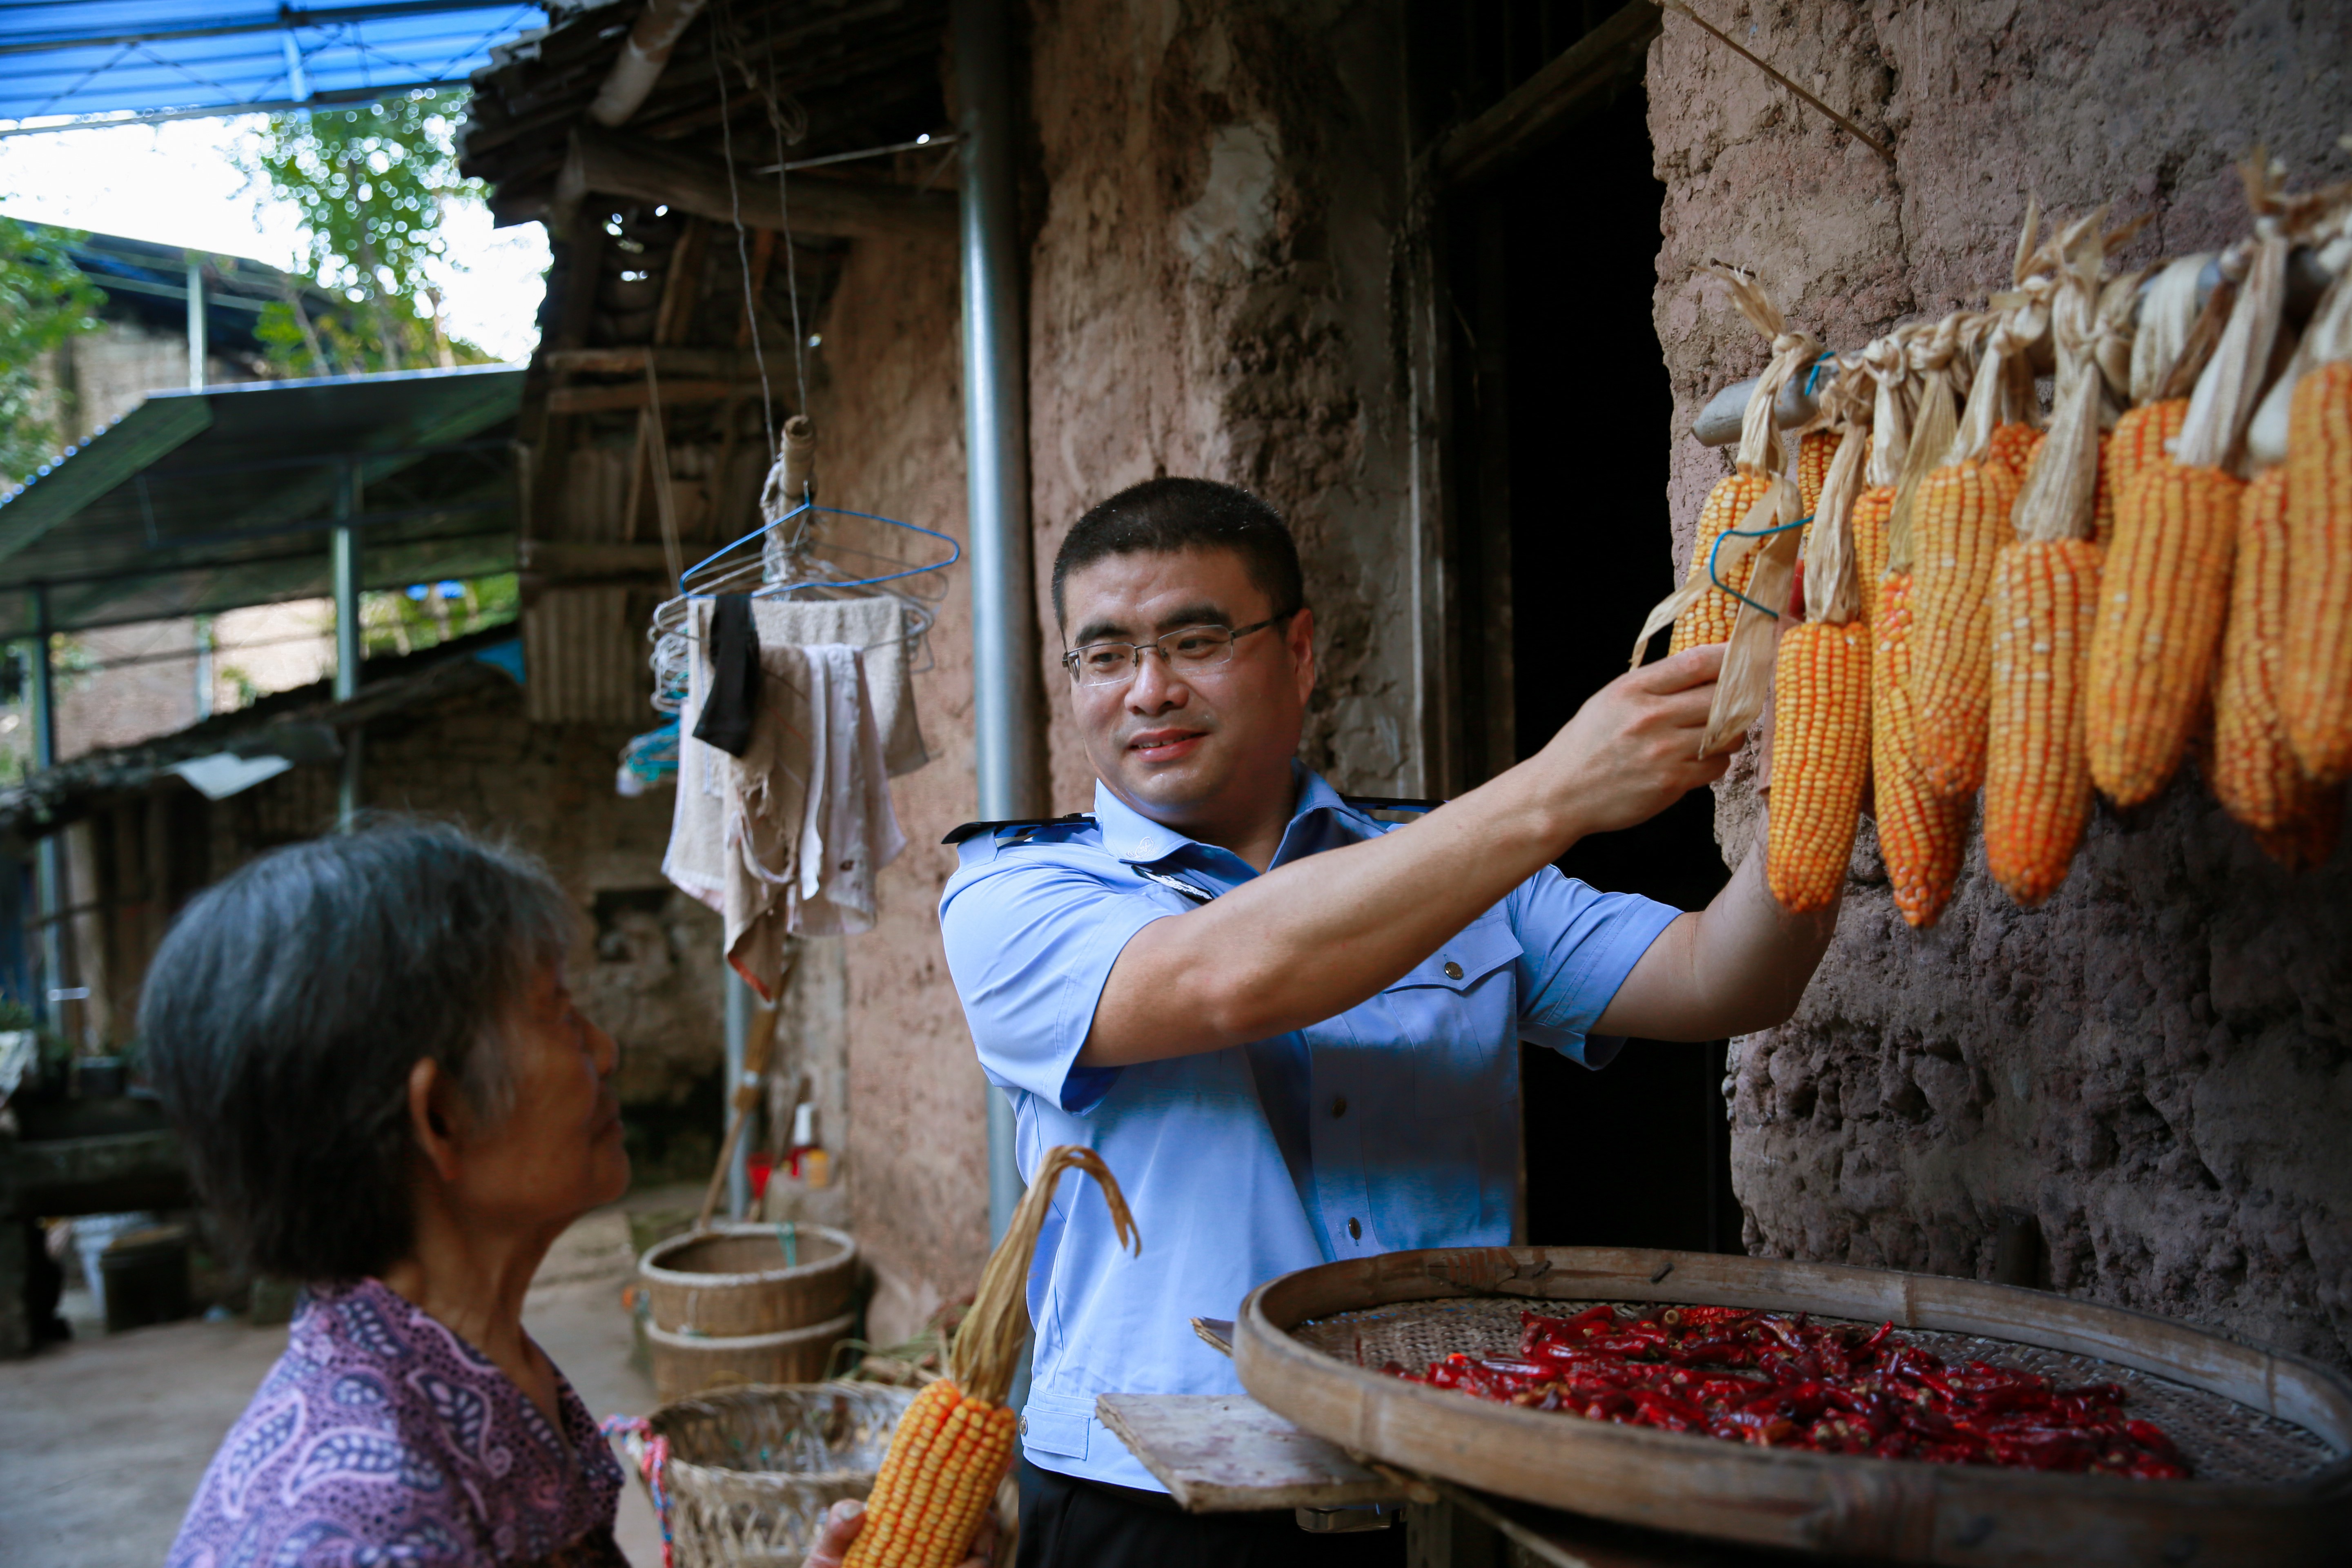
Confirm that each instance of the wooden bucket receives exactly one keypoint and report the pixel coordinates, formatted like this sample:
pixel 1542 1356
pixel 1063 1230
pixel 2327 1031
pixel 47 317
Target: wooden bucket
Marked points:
pixel 685 1364
pixel 2269 1436
pixel 735 1280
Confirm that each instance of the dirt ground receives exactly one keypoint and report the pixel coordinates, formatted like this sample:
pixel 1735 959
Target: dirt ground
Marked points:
pixel 102 1441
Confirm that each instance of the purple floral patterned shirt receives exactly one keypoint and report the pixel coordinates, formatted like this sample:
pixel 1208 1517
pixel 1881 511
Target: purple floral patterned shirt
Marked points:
pixel 382 1438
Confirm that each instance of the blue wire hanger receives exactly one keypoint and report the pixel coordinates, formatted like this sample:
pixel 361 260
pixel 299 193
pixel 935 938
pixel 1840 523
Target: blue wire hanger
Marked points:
pixel 804 510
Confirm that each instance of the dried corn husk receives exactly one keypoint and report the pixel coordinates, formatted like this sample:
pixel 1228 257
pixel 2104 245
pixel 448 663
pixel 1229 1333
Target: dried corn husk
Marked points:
pixel 2167 313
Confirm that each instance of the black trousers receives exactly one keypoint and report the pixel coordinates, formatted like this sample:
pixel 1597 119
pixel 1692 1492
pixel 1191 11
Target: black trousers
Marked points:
pixel 1070 1523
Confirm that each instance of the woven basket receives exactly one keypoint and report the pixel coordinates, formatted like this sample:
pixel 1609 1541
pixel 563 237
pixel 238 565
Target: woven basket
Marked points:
pixel 685 1364
pixel 2269 1435
pixel 735 1280
pixel 752 1470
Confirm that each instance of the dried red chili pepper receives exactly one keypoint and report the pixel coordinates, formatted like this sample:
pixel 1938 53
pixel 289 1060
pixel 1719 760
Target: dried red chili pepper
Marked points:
pixel 1757 1377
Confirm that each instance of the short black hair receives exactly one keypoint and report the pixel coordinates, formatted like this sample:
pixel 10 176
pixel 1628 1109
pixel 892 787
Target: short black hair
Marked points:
pixel 1164 516
pixel 288 1004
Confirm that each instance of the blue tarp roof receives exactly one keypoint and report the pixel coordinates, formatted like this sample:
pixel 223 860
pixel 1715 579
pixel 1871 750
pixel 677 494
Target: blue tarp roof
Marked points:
pixel 106 60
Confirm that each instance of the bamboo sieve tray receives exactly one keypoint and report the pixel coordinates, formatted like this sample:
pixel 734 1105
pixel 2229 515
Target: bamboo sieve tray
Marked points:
pixel 2269 1436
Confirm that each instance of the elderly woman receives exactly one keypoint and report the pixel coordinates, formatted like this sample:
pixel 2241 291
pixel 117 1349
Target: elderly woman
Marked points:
pixel 387 1095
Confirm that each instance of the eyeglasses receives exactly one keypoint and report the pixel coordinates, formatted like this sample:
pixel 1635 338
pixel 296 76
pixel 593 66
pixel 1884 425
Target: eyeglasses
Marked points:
pixel 1186 649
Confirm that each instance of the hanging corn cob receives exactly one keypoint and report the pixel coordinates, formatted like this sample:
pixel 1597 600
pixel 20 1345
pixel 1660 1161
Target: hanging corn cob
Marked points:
pixel 1922 835
pixel 1960 524
pixel 2166 590
pixel 2012 446
pixel 1699 611
pixel 2315 651
pixel 2044 593
pixel 2166 349
pixel 1821 723
pixel 1815 451
pixel 1890 442
pixel 2255 774
pixel 955 1442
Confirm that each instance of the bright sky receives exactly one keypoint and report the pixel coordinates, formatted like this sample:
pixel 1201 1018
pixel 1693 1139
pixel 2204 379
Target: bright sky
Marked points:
pixel 176 183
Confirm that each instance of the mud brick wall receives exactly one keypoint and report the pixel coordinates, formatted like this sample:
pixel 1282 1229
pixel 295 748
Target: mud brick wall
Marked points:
pixel 1218 192
pixel 2156 1068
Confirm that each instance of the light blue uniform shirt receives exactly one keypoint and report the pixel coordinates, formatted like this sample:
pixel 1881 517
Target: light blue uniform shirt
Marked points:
pixel 1393 1125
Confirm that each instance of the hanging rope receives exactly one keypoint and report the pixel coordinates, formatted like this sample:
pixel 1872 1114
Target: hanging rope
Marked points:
pixel 743 249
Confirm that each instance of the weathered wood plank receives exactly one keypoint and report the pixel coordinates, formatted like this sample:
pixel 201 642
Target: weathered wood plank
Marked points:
pixel 1229 1454
pixel 603 163
pixel 1581 79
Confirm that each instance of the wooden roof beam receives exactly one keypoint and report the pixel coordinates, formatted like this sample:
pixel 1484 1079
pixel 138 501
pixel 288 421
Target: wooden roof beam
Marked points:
pixel 603 163
pixel 1583 79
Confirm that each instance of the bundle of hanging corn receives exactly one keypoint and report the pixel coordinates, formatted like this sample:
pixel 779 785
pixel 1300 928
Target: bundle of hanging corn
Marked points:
pixel 1820 702
pixel 2166 591
pixel 954 1444
pixel 1922 832
pixel 2044 592
pixel 1705 608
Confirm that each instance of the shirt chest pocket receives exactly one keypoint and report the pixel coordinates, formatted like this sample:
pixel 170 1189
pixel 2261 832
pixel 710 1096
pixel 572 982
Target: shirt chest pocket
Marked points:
pixel 1457 1013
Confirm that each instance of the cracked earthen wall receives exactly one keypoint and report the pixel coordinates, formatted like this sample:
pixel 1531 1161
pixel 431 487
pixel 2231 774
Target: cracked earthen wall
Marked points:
pixel 1214 291
pixel 2156 1065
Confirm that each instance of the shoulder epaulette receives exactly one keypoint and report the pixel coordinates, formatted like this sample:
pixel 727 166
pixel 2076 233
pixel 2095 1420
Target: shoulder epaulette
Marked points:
pixel 974 829
pixel 1388 803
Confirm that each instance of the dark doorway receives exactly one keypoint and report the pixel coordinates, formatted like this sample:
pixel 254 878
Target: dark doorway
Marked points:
pixel 1559 452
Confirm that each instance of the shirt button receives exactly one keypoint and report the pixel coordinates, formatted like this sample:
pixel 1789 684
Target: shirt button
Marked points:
pixel 1340 1106
pixel 1025 1426
pixel 1453 970
pixel 1355 1230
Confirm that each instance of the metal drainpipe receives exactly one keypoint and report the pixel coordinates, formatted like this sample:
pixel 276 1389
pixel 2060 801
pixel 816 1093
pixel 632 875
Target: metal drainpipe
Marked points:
pixel 198 349
pixel 1007 704
pixel 344 544
pixel 48 855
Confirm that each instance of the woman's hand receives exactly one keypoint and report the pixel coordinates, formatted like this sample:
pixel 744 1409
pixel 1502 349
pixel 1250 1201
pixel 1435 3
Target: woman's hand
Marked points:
pixel 844 1519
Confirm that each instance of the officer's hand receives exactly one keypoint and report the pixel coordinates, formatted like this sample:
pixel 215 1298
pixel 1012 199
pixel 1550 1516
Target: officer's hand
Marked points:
pixel 1632 751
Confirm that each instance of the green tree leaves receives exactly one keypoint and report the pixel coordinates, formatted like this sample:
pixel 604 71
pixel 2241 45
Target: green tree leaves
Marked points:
pixel 372 184
pixel 43 300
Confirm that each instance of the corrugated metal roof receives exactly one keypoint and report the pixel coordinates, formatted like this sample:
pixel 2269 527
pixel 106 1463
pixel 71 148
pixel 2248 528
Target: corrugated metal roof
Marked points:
pixel 160 59
pixel 195 502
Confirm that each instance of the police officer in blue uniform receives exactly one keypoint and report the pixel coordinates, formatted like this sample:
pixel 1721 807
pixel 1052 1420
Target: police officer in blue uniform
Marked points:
pixel 1289 1022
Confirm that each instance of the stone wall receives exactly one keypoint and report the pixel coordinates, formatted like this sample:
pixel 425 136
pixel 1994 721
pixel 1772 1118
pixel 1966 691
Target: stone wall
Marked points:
pixel 2156 1067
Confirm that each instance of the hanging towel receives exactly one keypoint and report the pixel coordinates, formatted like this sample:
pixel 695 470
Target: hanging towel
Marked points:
pixel 734 646
pixel 697 857
pixel 809 820
pixel 877 625
pixel 765 797
pixel 849 830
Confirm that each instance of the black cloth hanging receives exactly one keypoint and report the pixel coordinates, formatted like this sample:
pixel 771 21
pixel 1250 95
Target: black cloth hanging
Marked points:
pixel 734 695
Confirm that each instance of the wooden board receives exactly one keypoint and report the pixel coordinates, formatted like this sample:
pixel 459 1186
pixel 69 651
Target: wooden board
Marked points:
pixel 1229 1454
pixel 1905 1511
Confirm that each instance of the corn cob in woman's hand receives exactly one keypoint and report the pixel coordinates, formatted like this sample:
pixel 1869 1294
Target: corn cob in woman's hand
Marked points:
pixel 955 1442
